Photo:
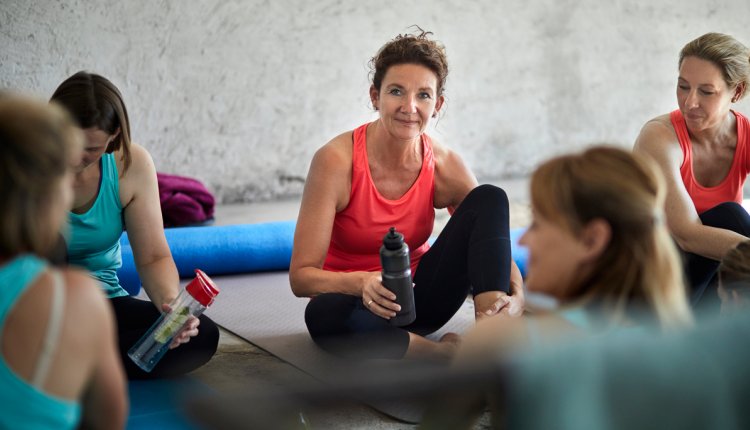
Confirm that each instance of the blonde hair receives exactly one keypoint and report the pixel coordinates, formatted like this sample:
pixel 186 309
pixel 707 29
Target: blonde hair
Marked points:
pixel 37 144
pixel 640 265
pixel 726 52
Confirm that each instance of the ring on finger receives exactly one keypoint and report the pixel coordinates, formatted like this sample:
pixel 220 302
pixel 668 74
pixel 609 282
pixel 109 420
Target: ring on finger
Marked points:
pixel 369 303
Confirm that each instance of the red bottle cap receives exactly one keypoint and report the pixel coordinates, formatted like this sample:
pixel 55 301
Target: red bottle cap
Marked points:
pixel 202 288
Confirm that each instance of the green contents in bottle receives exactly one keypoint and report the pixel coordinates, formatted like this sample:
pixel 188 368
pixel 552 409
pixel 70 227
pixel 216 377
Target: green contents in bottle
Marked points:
pixel 163 334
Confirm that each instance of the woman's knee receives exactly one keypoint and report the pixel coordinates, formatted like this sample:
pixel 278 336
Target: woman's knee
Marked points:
pixel 208 332
pixel 728 207
pixel 489 195
pixel 729 216
pixel 326 314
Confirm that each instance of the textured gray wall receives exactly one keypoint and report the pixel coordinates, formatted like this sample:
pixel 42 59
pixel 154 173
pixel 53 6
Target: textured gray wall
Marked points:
pixel 240 93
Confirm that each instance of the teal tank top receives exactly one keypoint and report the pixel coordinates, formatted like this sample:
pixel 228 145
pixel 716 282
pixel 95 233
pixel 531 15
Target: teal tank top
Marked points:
pixel 582 319
pixel 25 406
pixel 575 316
pixel 93 237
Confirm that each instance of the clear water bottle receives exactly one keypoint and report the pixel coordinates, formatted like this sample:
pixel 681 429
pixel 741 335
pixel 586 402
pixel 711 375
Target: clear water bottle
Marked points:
pixel 192 301
pixel 394 258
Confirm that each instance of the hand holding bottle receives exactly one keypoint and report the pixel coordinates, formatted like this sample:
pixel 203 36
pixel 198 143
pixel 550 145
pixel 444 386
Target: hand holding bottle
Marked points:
pixel 396 263
pixel 177 324
pixel 378 299
pixel 189 330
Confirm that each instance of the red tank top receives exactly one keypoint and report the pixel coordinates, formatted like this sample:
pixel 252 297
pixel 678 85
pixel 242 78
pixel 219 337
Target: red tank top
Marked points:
pixel 730 189
pixel 358 230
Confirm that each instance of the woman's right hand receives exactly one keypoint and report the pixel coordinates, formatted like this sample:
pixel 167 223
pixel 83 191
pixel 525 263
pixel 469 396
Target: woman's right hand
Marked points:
pixel 378 299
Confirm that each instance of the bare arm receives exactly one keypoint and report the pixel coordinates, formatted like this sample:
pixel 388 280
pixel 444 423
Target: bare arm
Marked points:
pixel 453 179
pixel 659 141
pixel 490 337
pixel 105 400
pixel 326 191
pixel 153 259
pixel 499 336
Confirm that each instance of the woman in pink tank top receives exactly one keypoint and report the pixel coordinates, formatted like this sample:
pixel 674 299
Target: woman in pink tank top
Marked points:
pixel 703 149
pixel 391 173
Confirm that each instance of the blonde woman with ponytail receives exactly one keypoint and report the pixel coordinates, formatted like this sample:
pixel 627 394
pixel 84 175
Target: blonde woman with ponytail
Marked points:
pixel 598 244
pixel 703 150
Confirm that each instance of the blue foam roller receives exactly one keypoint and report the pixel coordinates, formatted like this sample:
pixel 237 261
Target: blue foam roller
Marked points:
pixel 244 248
pixel 520 253
pixel 127 275
pixel 219 250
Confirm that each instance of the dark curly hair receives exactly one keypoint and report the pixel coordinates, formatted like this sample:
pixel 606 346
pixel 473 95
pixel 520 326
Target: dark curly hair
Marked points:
pixel 414 48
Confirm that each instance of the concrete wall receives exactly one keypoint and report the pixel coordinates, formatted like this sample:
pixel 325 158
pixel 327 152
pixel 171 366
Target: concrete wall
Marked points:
pixel 241 93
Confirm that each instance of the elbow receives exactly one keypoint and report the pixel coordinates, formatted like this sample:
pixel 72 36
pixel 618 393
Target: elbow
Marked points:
pixel 681 232
pixel 298 288
pixel 298 292
pixel 121 417
pixel 685 242
pixel 114 417
pixel 682 243
pixel 117 416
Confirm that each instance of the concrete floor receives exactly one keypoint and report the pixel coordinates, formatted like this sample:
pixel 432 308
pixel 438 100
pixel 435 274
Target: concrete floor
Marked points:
pixel 239 364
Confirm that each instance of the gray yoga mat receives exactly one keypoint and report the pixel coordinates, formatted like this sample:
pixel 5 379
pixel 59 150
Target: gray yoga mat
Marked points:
pixel 261 308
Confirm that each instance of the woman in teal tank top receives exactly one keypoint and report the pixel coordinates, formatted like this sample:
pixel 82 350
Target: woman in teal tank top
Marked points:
pixel 58 359
pixel 116 189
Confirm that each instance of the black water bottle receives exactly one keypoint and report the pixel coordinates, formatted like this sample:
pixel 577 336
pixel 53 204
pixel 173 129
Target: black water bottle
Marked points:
pixel 394 258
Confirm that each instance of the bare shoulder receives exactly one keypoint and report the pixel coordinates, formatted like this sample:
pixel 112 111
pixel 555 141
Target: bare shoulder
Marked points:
pixel 140 161
pixel 85 297
pixel 329 177
pixel 337 153
pixel 140 172
pixel 453 178
pixel 493 335
pixel 656 132
pixel 552 326
pixel 449 162
pixel 659 140
pixel 442 153
pixel 140 177
pixel 514 327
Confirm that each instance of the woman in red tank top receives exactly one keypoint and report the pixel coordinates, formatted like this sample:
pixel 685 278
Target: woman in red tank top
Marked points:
pixel 703 149
pixel 390 173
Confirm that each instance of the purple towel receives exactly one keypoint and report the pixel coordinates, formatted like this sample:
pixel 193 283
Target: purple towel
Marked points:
pixel 184 201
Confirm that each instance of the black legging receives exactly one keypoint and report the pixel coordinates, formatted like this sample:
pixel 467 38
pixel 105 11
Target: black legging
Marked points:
pixel 472 254
pixel 702 271
pixel 135 316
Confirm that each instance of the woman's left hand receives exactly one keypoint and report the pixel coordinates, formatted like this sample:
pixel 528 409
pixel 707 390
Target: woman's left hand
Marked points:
pixel 491 303
pixel 516 301
pixel 189 330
